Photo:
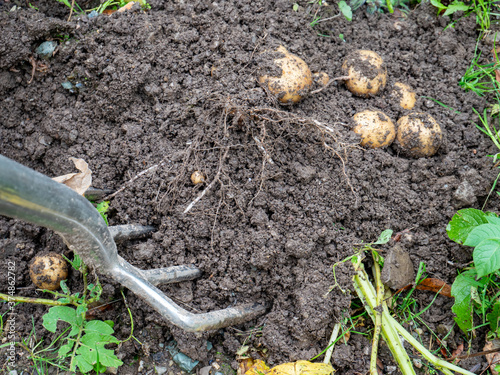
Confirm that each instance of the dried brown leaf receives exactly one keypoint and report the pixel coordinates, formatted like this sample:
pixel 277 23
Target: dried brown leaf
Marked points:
pixel 79 182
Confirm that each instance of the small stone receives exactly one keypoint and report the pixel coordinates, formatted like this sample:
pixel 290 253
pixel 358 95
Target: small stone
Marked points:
pixel 205 370
pixel 112 370
pixel 141 366
pixel 46 49
pixel 417 362
pixel 12 372
pixel 390 369
pixel 465 195
pixel 398 269
pixel 160 370
pixel 419 331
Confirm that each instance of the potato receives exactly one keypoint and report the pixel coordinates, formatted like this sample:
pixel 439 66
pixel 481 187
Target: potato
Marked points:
pixel 404 95
pixel 366 71
pixel 47 271
pixel 321 78
pixel 295 80
pixel 197 178
pixel 419 134
pixel 375 128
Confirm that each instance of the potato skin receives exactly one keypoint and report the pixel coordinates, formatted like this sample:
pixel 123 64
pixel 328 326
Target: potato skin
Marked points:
pixel 404 94
pixel 367 72
pixel 197 178
pixel 295 80
pixel 419 135
pixel 47 271
pixel 375 128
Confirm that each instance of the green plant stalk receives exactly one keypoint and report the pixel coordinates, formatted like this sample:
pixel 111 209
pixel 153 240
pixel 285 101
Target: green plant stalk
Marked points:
pixel 366 293
pixel 391 328
pixel 389 6
pixel 39 301
pixel 378 317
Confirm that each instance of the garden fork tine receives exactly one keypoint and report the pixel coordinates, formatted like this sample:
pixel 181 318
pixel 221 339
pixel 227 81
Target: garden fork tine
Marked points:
pixel 30 196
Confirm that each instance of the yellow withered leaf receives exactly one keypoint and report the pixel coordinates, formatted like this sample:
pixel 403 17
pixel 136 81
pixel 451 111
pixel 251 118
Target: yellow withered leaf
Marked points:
pixel 258 368
pixel 302 368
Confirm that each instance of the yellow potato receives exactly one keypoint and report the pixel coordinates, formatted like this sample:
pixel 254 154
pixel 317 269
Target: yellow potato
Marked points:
pixel 295 80
pixel 375 128
pixel 404 94
pixel 47 271
pixel 321 78
pixel 419 134
pixel 302 368
pixel 197 178
pixel 366 71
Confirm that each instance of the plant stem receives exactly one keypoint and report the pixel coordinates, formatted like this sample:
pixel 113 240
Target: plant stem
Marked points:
pixel 333 337
pixel 39 301
pixel 389 6
pixel 378 318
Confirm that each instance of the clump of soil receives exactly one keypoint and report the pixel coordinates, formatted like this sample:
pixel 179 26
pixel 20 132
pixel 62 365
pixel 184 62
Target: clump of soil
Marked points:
pixel 177 87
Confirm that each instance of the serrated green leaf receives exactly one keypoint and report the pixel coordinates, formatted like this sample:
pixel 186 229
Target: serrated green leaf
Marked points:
pixel 92 338
pixel 99 327
pixel 481 233
pixel 345 10
pixel 461 290
pixel 463 222
pixel 64 313
pixel 64 300
pixel 384 237
pixel 486 256
pixel 494 316
pixel 455 7
pixel 83 365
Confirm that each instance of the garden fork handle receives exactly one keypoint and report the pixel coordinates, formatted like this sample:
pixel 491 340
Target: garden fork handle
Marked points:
pixel 30 196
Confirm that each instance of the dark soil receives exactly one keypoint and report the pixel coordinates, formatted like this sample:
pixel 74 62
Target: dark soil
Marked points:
pixel 177 86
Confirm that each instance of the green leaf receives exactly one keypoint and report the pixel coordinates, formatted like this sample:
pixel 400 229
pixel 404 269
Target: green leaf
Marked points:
pixel 81 309
pixel 463 222
pixel 384 237
pixel 493 219
pixel 461 290
pixel 65 349
pixel 94 351
pixel 83 364
pixel 110 323
pixel 486 256
pixel 99 327
pixel 455 7
pixel 64 313
pixel 494 316
pixel 345 10
pixel 438 4
pixel 64 287
pixel 481 233
pixel 295 7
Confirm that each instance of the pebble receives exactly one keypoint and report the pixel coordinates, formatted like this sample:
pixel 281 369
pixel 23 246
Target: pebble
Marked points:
pixel 160 370
pixel 141 366
pixel 46 49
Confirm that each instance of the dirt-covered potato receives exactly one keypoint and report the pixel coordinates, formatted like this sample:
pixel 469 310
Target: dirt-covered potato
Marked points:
pixel 419 134
pixel 47 271
pixel 404 94
pixel 295 80
pixel 321 78
pixel 375 128
pixel 366 71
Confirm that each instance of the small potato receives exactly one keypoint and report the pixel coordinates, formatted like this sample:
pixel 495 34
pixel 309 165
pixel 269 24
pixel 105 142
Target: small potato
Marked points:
pixel 47 271
pixel 197 178
pixel 295 80
pixel 321 78
pixel 375 128
pixel 419 135
pixel 404 95
pixel 366 71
